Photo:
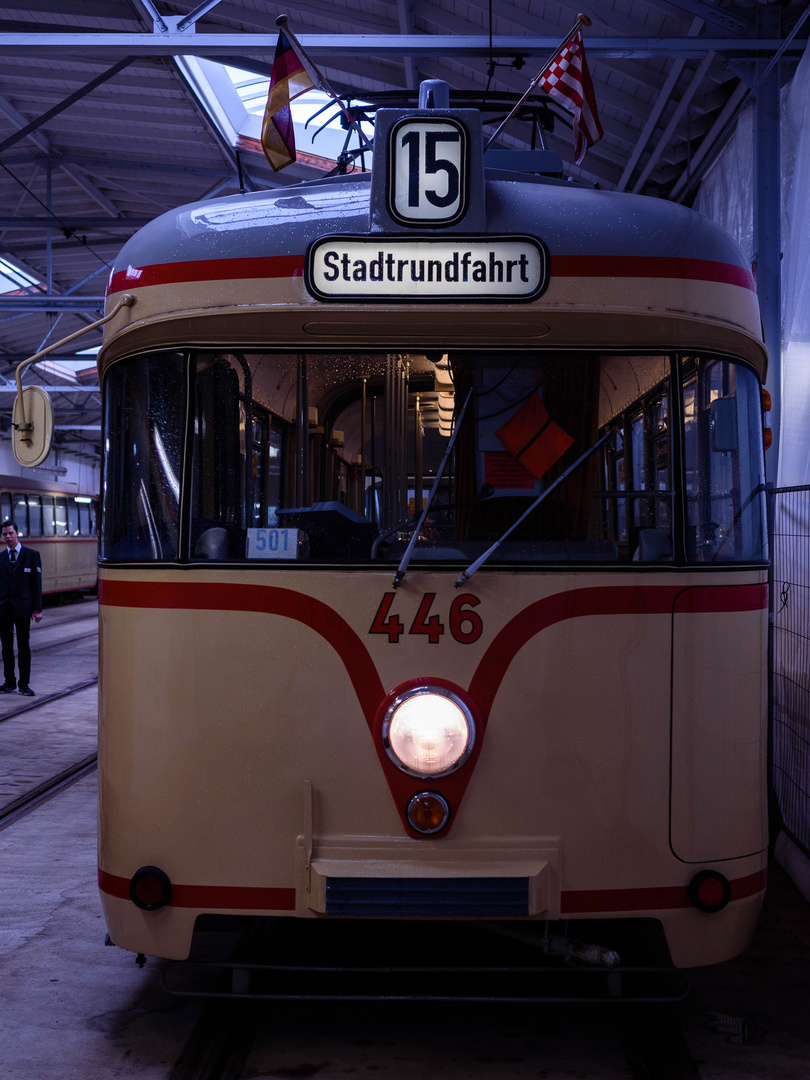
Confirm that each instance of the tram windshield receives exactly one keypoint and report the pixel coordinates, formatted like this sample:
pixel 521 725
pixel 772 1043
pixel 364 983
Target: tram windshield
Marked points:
pixel 348 458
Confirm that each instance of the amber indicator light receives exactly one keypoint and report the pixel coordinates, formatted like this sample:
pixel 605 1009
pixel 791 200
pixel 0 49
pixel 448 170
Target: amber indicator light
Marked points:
pixel 428 812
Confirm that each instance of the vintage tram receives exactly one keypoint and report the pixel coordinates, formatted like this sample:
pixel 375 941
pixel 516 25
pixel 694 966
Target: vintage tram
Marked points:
pixel 433 558
pixel 60 521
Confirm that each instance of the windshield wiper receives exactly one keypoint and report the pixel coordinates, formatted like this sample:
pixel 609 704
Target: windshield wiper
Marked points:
pixel 406 558
pixel 479 562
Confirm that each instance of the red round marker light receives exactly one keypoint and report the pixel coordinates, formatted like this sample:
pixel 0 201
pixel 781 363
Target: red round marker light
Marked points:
pixel 150 888
pixel 709 891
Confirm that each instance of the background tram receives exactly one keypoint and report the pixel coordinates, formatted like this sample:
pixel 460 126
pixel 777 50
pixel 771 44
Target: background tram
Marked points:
pixel 433 561
pixel 61 522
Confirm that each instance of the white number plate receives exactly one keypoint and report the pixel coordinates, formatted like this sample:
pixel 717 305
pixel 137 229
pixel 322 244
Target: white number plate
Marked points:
pixel 272 543
pixel 428 171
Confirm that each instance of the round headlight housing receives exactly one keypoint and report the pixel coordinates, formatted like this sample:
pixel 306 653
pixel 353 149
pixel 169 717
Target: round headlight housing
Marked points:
pixel 428 731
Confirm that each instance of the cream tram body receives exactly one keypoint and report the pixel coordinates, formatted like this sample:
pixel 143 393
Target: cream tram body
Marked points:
pixel 269 447
pixel 60 521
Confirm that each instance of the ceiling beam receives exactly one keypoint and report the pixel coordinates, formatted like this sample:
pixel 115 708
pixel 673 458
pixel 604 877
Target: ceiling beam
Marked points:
pixel 674 120
pixel 116 164
pixel 71 99
pixel 407 26
pixel 710 145
pixel 395 46
pixel 39 304
pixel 74 224
pixel 711 13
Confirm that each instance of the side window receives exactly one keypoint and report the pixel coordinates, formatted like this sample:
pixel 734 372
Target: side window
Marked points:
pixel 144 421
pixel 34 515
pixel 73 518
pixel 61 516
pixel 20 513
pixel 6 512
pixel 223 492
pixel 725 474
pixel 48 521
pixel 638 461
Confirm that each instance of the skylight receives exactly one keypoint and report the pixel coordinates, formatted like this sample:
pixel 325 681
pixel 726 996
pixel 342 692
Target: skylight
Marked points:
pixel 12 279
pixel 235 101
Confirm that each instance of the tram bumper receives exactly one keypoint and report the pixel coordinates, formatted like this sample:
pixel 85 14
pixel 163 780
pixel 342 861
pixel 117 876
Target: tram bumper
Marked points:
pixel 475 883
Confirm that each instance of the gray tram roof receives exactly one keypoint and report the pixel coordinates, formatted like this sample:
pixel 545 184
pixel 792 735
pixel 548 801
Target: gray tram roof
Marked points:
pixel 101 130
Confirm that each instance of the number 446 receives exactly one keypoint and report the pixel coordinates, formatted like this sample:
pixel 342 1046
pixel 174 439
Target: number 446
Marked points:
pixel 465 623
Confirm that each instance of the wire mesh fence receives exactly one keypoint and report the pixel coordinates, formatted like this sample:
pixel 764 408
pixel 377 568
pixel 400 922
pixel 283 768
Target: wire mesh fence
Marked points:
pixel 790 661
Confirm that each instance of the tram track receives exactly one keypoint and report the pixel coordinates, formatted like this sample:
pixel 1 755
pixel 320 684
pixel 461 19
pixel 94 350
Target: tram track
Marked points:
pixel 649 1042
pixel 31 799
pixel 654 1043
pixel 45 699
pixel 36 648
pixel 245 1028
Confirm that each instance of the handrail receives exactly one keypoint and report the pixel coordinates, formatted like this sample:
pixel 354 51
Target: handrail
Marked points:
pixel 127 300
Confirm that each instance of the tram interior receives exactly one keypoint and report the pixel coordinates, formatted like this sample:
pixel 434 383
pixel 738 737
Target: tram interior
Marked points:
pixel 350 457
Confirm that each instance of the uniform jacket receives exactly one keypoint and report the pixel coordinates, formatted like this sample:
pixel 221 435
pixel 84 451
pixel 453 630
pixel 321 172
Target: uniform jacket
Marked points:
pixel 21 588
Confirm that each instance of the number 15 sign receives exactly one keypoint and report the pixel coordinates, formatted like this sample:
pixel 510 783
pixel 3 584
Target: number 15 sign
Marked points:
pixel 428 171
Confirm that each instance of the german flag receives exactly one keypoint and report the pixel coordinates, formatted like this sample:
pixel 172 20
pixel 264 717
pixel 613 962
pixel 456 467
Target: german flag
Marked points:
pixel 289 79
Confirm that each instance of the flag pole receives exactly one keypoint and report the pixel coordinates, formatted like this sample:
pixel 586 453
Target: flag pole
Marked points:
pixel 582 20
pixel 282 24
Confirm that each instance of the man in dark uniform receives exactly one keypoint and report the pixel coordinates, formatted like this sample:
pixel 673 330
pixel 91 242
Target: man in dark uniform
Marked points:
pixel 20 601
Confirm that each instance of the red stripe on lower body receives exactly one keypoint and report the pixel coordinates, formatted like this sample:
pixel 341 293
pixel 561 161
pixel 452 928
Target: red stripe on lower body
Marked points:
pixel 663 898
pixel 205 897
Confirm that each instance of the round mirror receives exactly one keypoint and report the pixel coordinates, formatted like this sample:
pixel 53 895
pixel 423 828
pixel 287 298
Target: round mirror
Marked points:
pixel 31 440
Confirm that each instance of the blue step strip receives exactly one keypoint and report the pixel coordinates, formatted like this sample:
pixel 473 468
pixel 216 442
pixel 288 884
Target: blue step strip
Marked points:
pixel 501 897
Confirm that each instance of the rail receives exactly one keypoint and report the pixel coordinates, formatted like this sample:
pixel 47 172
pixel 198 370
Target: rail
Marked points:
pixel 49 697
pixel 32 798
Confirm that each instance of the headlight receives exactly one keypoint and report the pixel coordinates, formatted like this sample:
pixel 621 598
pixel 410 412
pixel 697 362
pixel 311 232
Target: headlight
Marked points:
pixel 428 731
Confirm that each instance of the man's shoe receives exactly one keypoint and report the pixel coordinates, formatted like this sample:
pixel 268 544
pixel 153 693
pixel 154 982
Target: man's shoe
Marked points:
pixel 24 688
pixel 8 688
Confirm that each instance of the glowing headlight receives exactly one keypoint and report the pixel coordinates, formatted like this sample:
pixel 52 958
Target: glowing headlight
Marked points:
pixel 428 731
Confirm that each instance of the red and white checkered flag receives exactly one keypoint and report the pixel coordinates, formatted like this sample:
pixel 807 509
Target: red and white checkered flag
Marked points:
pixel 568 81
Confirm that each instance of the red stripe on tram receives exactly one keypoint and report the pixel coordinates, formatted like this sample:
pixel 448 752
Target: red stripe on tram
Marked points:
pixel 532 620
pixel 236 897
pixel 665 897
pixel 572 902
pixel 572 266
pixel 646 266
pixel 268 600
pixel 263 266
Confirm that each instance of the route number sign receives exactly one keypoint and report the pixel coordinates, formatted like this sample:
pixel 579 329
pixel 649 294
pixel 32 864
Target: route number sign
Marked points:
pixel 428 171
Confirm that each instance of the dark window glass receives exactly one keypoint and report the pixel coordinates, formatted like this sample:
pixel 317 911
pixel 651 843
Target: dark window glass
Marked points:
pixel 144 412
pixel 61 517
pixel 221 493
pixel 725 472
pixel 48 521
pixel 34 515
pixel 20 513
pixel 331 458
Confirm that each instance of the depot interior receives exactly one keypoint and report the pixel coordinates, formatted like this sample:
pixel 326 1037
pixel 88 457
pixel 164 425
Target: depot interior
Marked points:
pixel 95 142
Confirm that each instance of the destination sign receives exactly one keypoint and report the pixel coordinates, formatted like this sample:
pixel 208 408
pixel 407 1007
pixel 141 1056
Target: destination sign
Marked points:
pixel 413 269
